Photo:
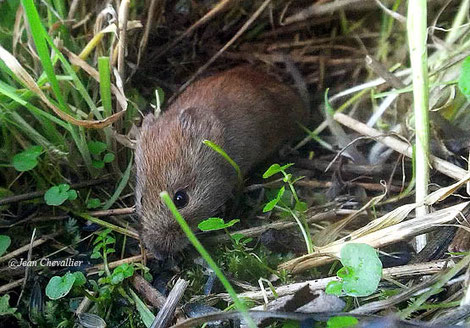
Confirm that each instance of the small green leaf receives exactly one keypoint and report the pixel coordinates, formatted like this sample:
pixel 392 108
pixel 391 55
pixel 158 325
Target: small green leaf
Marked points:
pixel 364 269
pixel 57 195
pixel 342 322
pixel 80 279
pixel 27 159
pixel 276 168
pixel 93 203
pixel 117 278
pixel 345 272
pixel 58 286
pixel 285 167
pixel 95 255
pixel 108 158
pixel 96 147
pixel 231 223
pixel 334 288
pixel 269 206
pixel 301 206
pixel 97 164
pixel 237 237
pixel 273 169
pixel 5 308
pixel 72 194
pixel 464 79
pixel 127 269
pixel 5 242
pixel 211 224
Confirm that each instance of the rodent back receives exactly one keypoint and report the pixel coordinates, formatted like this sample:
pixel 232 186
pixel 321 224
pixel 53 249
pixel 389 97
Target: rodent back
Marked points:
pixel 258 113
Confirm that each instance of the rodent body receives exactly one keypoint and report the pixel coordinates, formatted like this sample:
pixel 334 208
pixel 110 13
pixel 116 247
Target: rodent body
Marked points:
pixel 246 112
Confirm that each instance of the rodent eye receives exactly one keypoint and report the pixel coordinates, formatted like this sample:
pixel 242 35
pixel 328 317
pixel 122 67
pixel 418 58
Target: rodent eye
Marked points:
pixel 180 198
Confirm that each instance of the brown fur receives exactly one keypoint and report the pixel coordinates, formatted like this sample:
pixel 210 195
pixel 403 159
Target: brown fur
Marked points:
pixel 246 112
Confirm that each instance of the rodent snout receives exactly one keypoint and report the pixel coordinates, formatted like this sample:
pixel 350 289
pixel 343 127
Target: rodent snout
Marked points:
pixel 165 240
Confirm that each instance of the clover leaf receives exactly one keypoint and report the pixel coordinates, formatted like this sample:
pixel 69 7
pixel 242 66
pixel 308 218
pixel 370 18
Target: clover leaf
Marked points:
pixel 27 159
pixel 96 147
pixel 57 195
pixel 361 271
pixel 58 286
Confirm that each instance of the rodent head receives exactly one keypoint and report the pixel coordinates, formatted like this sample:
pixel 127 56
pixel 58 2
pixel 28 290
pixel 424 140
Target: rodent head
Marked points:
pixel 171 156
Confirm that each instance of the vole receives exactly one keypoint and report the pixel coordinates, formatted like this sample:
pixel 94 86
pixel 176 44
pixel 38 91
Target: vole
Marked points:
pixel 246 112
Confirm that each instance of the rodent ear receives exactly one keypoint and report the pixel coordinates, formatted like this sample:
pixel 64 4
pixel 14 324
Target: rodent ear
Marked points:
pixel 191 117
pixel 201 122
pixel 149 120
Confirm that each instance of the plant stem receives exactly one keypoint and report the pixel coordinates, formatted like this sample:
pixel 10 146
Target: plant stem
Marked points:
pixel 417 36
pixel 304 229
pixel 205 255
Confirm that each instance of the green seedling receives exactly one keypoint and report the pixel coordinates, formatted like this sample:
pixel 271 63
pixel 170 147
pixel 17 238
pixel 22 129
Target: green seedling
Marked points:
pixel 360 274
pixel 104 245
pixel 97 148
pixel 5 308
pixel 5 242
pixel 93 203
pixel 281 202
pixel 27 159
pixel 59 287
pixel 57 195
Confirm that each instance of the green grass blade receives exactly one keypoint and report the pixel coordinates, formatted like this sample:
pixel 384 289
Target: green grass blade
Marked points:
pixel 38 32
pixel 105 84
pixel 205 255
pixel 122 184
pixel 219 150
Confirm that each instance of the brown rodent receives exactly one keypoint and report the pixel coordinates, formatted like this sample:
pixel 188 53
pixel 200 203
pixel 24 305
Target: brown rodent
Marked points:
pixel 246 112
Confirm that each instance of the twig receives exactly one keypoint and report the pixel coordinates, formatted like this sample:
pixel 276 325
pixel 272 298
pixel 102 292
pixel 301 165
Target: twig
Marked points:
pixel 381 71
pixel 391 233
pixel 11 285
pixel 25 248
pixel 95 269
pixel 28 268
pixel 148 291
pixel 99 213
pixel 148 26
pixel 162 319
pixel 122 18
pixel 316 9
pixel 388 273
pixel 391 13
pixel 444 167
pixel 37 194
